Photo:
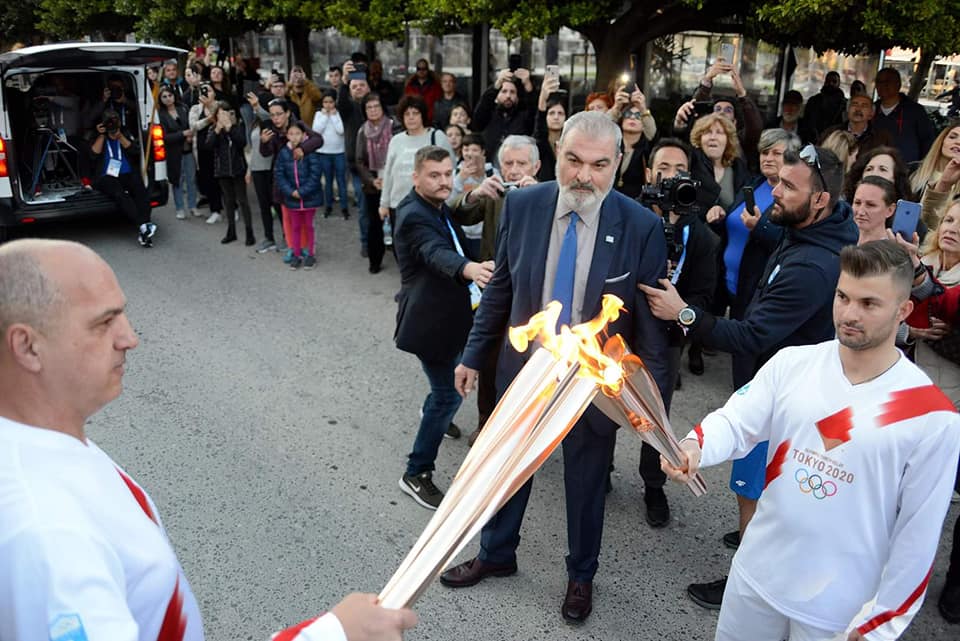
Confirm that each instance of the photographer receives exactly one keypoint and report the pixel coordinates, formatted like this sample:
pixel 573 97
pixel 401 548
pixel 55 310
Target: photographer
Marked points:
pixel 119 178
pixel 691 267
pixel 504 109
pixel 114 98
pixel 519 164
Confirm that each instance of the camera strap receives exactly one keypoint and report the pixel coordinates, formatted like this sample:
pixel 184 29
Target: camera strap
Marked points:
pixel 683 256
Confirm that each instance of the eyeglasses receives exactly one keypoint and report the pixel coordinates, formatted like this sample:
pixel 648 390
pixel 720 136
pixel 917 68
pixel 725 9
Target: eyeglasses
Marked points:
pixel 422 68
pixel 810 156
pixel 636 115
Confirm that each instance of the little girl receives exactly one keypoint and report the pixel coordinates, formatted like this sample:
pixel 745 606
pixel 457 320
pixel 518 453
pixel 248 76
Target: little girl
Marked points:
pixel 299 183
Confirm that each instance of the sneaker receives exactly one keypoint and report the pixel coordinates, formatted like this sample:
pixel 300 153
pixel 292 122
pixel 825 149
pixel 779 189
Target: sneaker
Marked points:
pixel 143 237
pixel 422 489
pixel 303 254
pixel 708 595
pixel 214 218
pixel 295 262
pixel 327 212
pixel 346 214
pixel 181 214
pixel 657 508
pixel 452 431
pixel 196 212
pixel 309 262
pixel 288 256
pixel 265 246
pixel 732 539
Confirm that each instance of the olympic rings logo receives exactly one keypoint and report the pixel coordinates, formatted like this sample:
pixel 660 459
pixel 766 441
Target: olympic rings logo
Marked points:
pixel 814 484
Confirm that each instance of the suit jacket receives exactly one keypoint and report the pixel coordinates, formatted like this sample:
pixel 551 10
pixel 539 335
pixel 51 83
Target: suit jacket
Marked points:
pixel 630 249
pixel 434 314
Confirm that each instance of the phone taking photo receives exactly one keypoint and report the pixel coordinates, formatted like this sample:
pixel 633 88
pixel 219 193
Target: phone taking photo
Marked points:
pixel 552 71
pixel 515 61
pixel 727 52
pixel 748 200
pixel 905 219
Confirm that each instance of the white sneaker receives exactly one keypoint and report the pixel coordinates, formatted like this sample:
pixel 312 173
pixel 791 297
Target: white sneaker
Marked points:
pixel 181 214
pixel 214 218
pixel 196 212
pixel 236 216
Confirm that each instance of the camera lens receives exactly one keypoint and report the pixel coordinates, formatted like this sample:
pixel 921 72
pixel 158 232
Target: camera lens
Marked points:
pixel 686 194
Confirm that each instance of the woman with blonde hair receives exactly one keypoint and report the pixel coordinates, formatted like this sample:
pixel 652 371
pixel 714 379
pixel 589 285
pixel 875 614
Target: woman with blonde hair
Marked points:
pixel 844 145
pixel 718 164
pixel 938 175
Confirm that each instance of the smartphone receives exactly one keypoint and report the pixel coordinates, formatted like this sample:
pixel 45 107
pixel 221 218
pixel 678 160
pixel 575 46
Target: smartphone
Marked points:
pixel 748 199
pixel 905 219
pixel 515 61
pixel 703 107
pixel 552 71
pixel 359 72
pixel 632 72
pixel 727 51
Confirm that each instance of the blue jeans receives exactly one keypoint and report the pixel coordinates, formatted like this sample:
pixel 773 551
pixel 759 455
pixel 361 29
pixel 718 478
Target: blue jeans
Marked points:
pixel 188 181
pixel 439 408
pixel 361 206
pixel 334 165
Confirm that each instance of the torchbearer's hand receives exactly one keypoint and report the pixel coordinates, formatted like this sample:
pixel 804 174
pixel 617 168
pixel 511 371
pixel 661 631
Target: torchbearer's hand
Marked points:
pixel 363 620
pixel 690 451
pixel 464 379
pixel 664 303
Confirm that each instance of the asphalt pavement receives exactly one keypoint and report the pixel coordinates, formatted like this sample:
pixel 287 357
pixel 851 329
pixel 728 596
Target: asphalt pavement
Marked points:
pixel 269 415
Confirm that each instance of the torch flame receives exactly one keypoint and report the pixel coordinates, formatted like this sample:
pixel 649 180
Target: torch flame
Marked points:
pixel 578 344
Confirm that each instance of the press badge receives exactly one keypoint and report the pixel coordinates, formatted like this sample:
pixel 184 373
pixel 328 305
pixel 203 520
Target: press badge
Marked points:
pixel 113 167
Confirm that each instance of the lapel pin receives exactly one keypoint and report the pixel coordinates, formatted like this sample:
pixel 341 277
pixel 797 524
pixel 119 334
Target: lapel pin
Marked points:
pixel 609 239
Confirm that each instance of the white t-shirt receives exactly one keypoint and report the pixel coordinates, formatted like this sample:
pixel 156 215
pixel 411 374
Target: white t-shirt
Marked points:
pixel 83 555
pixel 859 478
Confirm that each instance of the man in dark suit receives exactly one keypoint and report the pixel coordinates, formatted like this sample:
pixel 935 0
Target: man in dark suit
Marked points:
pixel 437 283
pixel 572 240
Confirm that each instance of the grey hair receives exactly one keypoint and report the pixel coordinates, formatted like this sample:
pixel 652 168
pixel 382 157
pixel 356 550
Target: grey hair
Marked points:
pixel 519 142
pixel 595 125
pixel 27 294
pixel 772 137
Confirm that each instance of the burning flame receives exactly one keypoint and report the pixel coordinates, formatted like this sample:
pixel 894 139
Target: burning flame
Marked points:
pixel 579 344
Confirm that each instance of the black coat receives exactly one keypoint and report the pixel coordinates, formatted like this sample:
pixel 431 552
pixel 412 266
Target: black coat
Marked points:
pixel 496 123
pixel 633 178
pixel 698 276
pixel 548 156
pixel 708 193
pixel 434 315
pixel 174 141
pixel 227 147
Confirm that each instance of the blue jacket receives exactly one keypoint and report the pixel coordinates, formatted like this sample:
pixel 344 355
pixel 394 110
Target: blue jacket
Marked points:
pixel 793 302
pixel 305 181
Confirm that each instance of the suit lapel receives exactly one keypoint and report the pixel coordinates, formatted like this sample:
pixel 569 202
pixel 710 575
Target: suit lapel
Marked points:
pixel 540 227
pixel 609 225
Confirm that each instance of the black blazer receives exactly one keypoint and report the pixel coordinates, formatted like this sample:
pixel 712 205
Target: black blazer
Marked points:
pixel 630 249
pixel 709 192
pixel 631 181
pixel 434 314
pixel 174 141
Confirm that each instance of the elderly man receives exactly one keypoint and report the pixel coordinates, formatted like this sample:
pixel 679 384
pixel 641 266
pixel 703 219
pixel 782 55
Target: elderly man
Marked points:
pixel 904 119
pixel 83 554
pixel 860 124
pixel 572 241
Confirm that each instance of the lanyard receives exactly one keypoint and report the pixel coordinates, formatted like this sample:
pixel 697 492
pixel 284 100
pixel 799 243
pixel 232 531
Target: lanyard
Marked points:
pixel 456 241
pixel 683 256
pixel 110 150
pixel 473 287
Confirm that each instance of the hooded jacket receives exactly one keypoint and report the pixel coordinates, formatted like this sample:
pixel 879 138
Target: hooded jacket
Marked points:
pixel 302 176
pixel 793 302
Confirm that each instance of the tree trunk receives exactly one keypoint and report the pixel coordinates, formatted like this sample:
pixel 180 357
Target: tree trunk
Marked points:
pixel 299 35
pixel 920 73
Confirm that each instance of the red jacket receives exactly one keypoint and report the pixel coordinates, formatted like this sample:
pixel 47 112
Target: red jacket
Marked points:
pixel 430 92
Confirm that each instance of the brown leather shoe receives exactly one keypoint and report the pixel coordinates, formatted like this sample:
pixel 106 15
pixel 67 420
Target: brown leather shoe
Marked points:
pixel 578 604
pixel 473 572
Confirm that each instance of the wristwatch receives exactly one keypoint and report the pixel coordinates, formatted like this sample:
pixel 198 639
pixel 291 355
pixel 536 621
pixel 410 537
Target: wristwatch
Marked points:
pixel 687 317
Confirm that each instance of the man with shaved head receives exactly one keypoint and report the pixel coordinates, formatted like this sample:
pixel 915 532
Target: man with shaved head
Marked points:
pixel 83 555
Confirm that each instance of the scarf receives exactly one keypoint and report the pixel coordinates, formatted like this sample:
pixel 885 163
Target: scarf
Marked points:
pixel 378 140
pixel 947 278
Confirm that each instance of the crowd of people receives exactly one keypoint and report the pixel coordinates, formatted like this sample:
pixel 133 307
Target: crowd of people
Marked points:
pixel 784 246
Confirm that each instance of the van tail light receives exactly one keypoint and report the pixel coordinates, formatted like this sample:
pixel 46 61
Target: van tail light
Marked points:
pixel 159 151
pixel 4 168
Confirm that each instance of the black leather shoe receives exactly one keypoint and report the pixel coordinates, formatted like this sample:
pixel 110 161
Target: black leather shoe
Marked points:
pixel 949 603
pixel 229 238
pixel 695 362
pixel 732 539
pixel 658 511
pixel 473 572
pixel 708 595
pixel 578 604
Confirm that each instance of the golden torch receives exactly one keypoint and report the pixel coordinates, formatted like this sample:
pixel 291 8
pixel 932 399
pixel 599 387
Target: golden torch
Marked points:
pixel 540 407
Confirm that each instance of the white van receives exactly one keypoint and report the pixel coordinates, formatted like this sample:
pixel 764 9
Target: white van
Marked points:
pixel 51 98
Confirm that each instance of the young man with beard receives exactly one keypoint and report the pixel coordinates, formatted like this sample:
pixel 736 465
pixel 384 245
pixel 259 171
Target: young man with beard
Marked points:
pixel 791 305
pixel 572 241
pixel 438 283
pixel 505 109
pixel 856 491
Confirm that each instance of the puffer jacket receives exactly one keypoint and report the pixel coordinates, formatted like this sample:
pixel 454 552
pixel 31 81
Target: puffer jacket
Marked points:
pixel 302 176
pixel 227 147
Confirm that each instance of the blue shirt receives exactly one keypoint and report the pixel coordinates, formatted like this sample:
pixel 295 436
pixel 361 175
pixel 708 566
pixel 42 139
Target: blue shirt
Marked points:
pixel 738 235
pixel 111 150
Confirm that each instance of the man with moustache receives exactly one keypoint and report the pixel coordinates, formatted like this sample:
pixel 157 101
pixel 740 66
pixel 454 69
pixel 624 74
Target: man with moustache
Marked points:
pixel 857 488
pixel 859 122
pixel 792 304
pixel 439 285
pixel 572 241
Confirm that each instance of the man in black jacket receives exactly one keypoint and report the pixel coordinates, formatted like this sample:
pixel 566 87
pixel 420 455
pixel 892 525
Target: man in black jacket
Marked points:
pixel 438 287
pixel 692 268
pixel 792 305
pixel 349 104
pixel 904 119
pixel 505 109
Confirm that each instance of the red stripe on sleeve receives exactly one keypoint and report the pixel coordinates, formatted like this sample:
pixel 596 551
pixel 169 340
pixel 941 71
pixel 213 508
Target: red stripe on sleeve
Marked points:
pixel 139 495
pixel 914 402
pixel 775 466
pixel 291 633
pixel 884 617
pixel 174 625
pixel 699 432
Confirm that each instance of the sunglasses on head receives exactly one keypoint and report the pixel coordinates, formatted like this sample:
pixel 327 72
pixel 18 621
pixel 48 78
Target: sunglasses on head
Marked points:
pixel 810 156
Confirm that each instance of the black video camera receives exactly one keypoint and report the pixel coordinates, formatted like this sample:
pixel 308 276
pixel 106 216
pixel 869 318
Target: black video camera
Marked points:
pixel 111 121
pixel 677 194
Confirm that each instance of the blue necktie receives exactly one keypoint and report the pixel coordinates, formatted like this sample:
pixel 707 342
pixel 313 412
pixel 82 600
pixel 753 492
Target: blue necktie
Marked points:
pixel 566 271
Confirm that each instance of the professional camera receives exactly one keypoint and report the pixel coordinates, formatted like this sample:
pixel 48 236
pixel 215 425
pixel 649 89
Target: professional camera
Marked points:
pixel 111 121
pixel 674 241
pixel 677 194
